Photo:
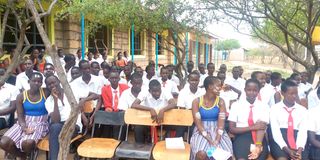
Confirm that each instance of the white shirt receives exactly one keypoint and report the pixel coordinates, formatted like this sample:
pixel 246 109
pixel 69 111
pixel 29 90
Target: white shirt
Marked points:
pixel 228 96
pixel 240 110
pixel 99 60
pixel 186 97
pixel 22 81
pixel 236 83
pixel 202 78
pixel 146 80
pixel 303 88
pixel 169 86
pixel 126 100
pixel 175 79
pixel 64 110
pixel 267 94
pixel 147 100
pixel 313 99
pixel 82 89
pixel 314 120
pixel 8 93
pixel 279 119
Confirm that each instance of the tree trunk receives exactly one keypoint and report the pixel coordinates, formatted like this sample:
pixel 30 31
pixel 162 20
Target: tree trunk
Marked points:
pixel 69 125
pixel 4 24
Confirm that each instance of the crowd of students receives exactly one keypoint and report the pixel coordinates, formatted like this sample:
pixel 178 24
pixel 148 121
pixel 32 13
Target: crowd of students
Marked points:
pixel 248 118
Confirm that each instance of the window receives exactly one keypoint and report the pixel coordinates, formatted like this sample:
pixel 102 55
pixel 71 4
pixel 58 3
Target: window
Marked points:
pixel 102 35
pixel 12 35
pixel 137 43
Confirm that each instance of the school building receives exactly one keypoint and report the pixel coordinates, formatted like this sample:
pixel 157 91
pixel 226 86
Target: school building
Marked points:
pixel 66 34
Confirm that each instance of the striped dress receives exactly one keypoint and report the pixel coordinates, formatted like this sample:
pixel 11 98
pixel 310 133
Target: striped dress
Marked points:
pixel 209 118
pixel 36 117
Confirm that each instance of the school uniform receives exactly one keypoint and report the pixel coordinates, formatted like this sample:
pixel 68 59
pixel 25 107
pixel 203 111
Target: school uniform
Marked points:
pixel 186 97
pixel 175 79
pixel 126 99
pixel 110 96
pixel 146 80
pixel 303 88
pixel 245 114
pixel 314 126
pixel 22 81
pixel 313 99
pixel 239 83
pixel 168 86
pixel 289 128
pixel 8 93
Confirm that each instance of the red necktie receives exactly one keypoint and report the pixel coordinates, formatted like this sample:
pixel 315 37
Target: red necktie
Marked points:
pixel 164 84
pixel 290 131
pixel 115 101
pixel 251 123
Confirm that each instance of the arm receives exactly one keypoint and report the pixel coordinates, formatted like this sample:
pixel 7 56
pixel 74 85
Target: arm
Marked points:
pixel 197 120
pixel 20 112
pixel 8 110
pixel 96 46
pixel 275 128
pixel 55 115
pixel 171 104
pixel 277 97
pixel 313 140
pixel 136 104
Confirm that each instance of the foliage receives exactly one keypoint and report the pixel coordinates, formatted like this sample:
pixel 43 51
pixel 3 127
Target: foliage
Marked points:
pixel 286 24
pixel 227 45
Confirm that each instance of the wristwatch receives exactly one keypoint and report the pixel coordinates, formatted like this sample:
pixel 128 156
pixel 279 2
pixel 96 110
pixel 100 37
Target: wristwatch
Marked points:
pixel 204 133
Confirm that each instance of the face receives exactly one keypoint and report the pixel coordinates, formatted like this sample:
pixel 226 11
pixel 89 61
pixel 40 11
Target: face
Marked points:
pixel 114 78
pixel 221 76
pixel 193 81
pixel 139 71
pixel 252 91
pixel 136 84
pixel 106 72
pixel 291 94
pixel 304 77
pixel 28 65
pixel 152 63
pixel 75 73
pixel 297 79
pixel 35 53
pixel 48 70
pixel 268 76
pixel 85 69
pixel 79 53
pixel 261 77
pixel 151 71
pixel 210 69
pixel 35 82
pixel 52 82
pixel 127 70
pixel 120 55
pixel 164 74
pixel 202 69
pixel 95 68
pixel 190 67
pixel 90 55
pixel 241 70
pixel 236 72
pixel 277 82
pixel 215 87
pixel 60 53
pixel 223 68
pixel 155 91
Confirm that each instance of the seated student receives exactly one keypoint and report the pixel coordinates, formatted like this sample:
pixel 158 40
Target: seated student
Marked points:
pixel 314 98
pixel 248 119
pixel 173 77
pixel 22 79
pixel 150 74
pixel 314 133
pixel 21 139
pixel 226 93
pixel 236 83
pixel 8 94
pixel 70 61
pixel 289 124
pixel 75 73
pixel 273 88
pixel 58 108
pixel 167 84
pixel 154 99
pixel 209 113
pixel 49 70
pixel 211 69
pixel 128 96
pixel 12 78
pixel 139 70
pixel 95 68
pixel 304 84
pixel 202 69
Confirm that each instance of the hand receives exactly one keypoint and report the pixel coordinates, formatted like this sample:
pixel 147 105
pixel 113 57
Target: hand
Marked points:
pixel 91 120
pixel 217 140
pixel 256 152
pixel 154 115
pixel 108 109
pixel 292 154
pixel 55 93
pixel 259 126
pixel 28 130
pixel 226 87
pixel 160 116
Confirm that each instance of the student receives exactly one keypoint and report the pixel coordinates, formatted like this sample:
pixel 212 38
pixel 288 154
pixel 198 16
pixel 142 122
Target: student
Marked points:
pixel 70 61
pixel 211 69
pixel 139 70
pixel 209 115
pixel 269 91
pixel 111 93
pixel 8 94
pixel 202 69
pixel 155 99
pixel 223 68
pixel 22 79
pixel 248 119
pixel 128 96
pixel 226 93
pixel 95 68
pixel 21 139
pixel 314 98
pixel 304 84
pixel 190 66
pixel 127 71
pixel 268 76
pixel 59 109
pixel 150 74
pixel 120 62
pixel 167 84
pixel 235 82
pixel 49 70
pixel 173 77
pixel 289 124
pixel 75 73
pixel 314 133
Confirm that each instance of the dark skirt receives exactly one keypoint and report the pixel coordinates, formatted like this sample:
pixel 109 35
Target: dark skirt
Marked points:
pixel 314 151
pixel 241 146
pixel 277 152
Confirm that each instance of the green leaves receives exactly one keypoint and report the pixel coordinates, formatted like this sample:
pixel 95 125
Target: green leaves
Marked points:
pixel 228 45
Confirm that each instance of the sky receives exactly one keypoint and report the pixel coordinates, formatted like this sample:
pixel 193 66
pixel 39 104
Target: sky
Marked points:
pixel 226 31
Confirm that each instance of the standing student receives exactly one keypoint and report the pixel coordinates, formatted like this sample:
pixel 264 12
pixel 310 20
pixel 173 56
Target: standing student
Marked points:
pixel 314 98
pixel 202 69
pixel 209 113
pixel 150 74
pixel 248 119
pixel 314 133
pixel 235 82
pixel 211 69
pixel 289 124
pixel 154 99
